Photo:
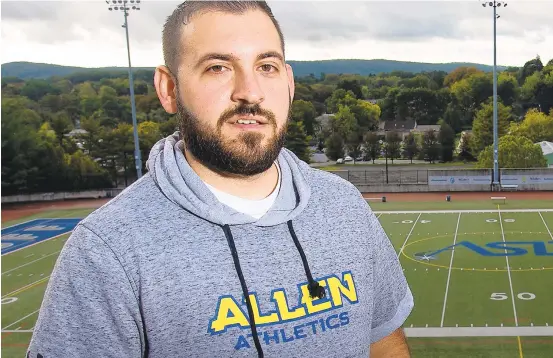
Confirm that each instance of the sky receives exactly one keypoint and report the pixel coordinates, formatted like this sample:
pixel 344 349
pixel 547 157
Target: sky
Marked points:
pixel 87 34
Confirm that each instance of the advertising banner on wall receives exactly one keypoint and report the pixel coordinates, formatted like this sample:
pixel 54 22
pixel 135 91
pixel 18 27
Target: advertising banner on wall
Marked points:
pixel 527 179
pixel 459 180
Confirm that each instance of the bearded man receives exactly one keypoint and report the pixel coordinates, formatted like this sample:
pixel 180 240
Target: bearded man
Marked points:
pixel 230 246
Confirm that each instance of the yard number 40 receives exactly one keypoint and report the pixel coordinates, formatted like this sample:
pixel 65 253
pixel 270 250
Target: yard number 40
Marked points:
pixel 521 296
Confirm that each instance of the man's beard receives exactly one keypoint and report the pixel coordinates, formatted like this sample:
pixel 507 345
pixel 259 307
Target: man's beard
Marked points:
pixel 241 156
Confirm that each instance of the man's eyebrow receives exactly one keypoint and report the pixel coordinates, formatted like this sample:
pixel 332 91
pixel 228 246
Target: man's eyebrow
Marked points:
pixel 230 57
pixel 268 54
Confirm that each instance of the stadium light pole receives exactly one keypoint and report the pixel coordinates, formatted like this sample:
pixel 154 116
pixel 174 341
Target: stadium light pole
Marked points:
pixel 123 5
pixel 495 5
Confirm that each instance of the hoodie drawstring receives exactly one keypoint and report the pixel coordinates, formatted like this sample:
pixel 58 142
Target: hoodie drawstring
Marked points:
pixel 315 290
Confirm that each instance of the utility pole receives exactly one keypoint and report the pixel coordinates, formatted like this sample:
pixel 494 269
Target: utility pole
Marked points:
pixel 495 5
pixel 123 5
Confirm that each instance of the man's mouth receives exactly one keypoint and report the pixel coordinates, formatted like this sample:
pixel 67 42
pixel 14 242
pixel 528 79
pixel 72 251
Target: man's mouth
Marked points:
pixel 249 120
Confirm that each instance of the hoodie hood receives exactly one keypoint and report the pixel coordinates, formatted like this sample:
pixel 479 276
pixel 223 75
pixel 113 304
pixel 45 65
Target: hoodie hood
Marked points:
pixel 180 184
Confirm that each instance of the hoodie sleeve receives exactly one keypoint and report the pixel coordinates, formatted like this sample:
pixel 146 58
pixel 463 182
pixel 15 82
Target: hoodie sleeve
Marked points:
pixel 393 300
pixel 90 308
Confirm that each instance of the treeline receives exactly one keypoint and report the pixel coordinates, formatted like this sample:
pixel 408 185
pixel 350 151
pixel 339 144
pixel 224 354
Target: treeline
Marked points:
pixel 458 104
pixel 75 132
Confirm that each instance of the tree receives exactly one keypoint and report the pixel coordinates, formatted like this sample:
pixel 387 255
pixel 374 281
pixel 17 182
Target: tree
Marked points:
pixel 334 146
pixel 340 97
pixel 529 68
pixel 411 148
pixel 393 145
pixel 351 85
pixel 446 136
pixel 507 88
pixel 354 141
pixel 536 126
pixel 465 152
pixel 514 152
pixel 372 146
pixel 298 141
pixel 430 146
pixel 149 134
pixel 421 104
pixel 61 124
pixel 460 73
pixel 470 93
pixel 344 121
pixel 453 117
pixel 124 139
pixel 367 114
pixel 304 111
pixel 483 125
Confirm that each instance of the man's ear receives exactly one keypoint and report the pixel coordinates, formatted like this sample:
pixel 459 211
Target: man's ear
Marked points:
pixel 291 83
pixel 166 89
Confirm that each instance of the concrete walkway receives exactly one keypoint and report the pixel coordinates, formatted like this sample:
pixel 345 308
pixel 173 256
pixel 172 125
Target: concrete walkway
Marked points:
pixel 479 331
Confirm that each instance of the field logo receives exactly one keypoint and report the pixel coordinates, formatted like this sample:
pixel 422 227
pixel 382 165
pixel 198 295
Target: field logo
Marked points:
pixel 500 248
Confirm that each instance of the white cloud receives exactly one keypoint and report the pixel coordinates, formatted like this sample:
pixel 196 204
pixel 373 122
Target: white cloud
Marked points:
pixel 85 33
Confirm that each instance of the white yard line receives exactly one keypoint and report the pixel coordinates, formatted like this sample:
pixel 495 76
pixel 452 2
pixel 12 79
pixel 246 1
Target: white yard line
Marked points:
pixel 18 331
pixel 547 227
pixel 409 235
pixel 28 263
pixel 508 268
pixel 379 215
pixel 27 316
pixel 449 272
pixel 479 332
pixel 465 211
pixel 24 287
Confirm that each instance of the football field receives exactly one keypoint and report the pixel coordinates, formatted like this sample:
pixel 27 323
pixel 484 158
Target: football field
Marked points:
pixel 485 273
pixel 482 279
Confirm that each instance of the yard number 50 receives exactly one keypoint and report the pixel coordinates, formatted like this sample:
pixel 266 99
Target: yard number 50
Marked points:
pixel 521 296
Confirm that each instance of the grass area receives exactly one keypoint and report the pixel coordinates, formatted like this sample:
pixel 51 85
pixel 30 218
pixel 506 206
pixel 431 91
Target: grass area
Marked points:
pixel 472 278
pixel 479 347
pixel 477 277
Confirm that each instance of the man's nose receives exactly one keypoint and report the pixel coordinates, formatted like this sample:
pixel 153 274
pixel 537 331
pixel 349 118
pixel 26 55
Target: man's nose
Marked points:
pixel 247 88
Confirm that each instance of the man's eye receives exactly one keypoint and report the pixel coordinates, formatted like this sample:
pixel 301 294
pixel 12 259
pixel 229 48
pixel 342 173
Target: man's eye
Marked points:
pixel 268 68
pixel 216 68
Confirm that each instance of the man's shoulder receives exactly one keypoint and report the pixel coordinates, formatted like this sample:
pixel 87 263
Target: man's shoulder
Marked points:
pixel 331 183
pixel 139 202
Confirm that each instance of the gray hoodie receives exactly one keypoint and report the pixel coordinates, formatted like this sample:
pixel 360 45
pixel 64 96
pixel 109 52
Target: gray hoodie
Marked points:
pixel 163 269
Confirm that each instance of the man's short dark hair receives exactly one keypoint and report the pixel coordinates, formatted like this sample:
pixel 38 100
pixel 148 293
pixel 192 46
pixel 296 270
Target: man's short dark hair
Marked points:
pixel 172 41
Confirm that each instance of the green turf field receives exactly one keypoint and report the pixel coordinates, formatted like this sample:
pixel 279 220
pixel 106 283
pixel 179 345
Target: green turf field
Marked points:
pixel 470 301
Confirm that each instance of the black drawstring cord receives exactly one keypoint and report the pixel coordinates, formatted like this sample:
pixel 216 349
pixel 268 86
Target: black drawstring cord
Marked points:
pixel 245 291
pixel 315 290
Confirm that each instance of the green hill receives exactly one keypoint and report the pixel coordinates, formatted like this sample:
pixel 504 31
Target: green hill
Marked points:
pixel 26 70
